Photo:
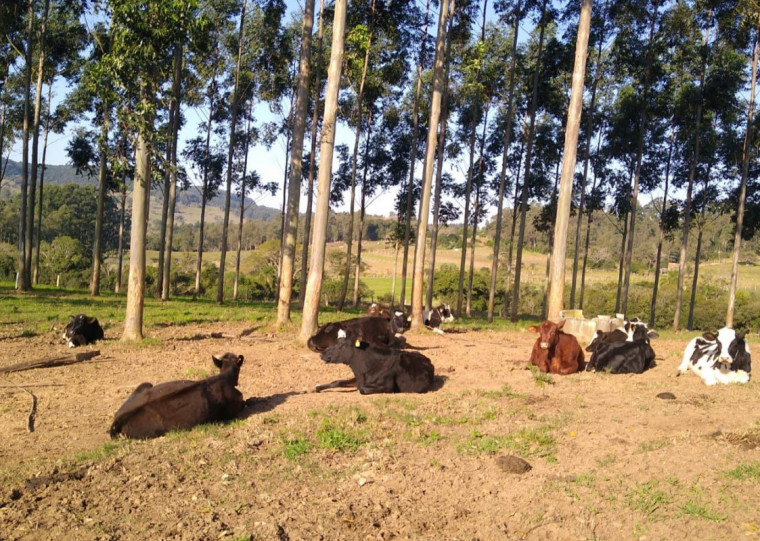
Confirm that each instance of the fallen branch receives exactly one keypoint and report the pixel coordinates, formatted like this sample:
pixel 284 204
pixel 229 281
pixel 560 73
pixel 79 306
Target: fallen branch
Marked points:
pixel 49 362
pixel 32 412
pixel 15 386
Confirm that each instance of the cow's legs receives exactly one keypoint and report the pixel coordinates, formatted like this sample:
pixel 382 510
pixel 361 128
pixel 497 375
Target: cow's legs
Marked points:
pixel 337 383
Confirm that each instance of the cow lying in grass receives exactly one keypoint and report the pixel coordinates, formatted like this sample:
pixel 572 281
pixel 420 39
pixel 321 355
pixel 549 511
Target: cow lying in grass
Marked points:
pixel 721 357
pixel 82 330
pixel 622 351
pixel 432 319
pixel 378 370
pixel 555 352
pixel 180 405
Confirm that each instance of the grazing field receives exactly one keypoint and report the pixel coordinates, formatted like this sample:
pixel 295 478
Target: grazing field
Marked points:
pixel 610 459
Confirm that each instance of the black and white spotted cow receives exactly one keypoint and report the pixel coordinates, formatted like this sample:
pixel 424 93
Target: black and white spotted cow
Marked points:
pixel 82 330
pixel 721 357
pixel 440 314
pixel 632 330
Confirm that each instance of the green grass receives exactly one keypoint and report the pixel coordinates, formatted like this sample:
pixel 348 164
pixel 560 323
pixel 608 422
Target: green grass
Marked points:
pixel 108 449
pixel 647 497
pixel 749 471
pixel 295 447
pixel 540 378
pixel 337 438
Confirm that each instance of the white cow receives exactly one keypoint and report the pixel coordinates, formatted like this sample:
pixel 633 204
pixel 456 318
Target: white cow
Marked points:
pixel 721 358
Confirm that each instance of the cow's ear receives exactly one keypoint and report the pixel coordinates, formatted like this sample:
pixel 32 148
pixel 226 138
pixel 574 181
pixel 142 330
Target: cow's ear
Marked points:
pixel 71 318
pixel 533 328
pixel 240 361
pixel 652 334
pixel 91 320
pixel 561 324
pixel 740 334
pixel 217 361
pixel 709 336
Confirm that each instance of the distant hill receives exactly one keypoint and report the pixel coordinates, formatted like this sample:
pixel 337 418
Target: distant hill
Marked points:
pixel 188 202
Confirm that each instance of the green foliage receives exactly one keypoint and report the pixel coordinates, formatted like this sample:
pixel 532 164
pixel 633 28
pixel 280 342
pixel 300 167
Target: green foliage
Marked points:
pixel 336 438
pixel 8 257
pixel 647 497
pixel 749 471
pixel 62 255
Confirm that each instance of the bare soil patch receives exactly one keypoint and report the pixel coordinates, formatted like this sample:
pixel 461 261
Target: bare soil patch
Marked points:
pixel 608 458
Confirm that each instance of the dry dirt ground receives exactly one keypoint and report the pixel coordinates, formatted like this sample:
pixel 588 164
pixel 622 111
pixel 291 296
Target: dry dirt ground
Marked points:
pixel 610 460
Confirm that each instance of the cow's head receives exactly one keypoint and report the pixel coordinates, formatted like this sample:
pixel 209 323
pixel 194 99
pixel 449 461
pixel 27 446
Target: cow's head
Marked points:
pixel 76 326
pixel 549 333
pixel 229 363
pixel 375 310
pixel 343 349
pixel 731 344
pixel 399 322
pixel 446 315
pixel 638 330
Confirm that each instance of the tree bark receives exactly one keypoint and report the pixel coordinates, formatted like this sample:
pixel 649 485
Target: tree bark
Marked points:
pixel 204 189
pixel 310 194
pixel 133 320
pixel 241 217
pixel 466 222
pixel 661 234
pixel 97 247
pixel 526 174
pixel 296 160
pixel 230 156
pixel 557 287
pixel 746 151
pixel 689 188
pixel 427 171
pixel 507 141
pixel 24 282
pixel 309 320
pixel 36 270
pixel 362 212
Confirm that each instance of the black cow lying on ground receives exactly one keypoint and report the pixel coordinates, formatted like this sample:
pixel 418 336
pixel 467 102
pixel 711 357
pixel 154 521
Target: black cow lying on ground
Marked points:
pixel 82 330
pixel 440 314
pixel 180 405
pixel 378 370
pixel 622 351
pixel 630 331
pixel 378 331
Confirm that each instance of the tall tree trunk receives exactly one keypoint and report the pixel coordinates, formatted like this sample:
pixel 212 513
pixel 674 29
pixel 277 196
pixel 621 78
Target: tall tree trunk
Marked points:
pixel 133 320
pixel 512 232
pixel 230 156
pixel 746 151
pixel 476 209
pixel 204 188
pixel 621 262
pixel 241 218
pixel 427 170
pixel 397 247
pixel 165 200
pixel 24 282
pixel 507 141
pixel 526 174
pixel 639 156
pixel 97 247
pixel 661 234
pixel 549 252
pixel 283 231
pixel 440 154
pixel 29 230
pixel 362 212
pixel 690 186
pixel 36 270
pixel 120 249
pixel 466 222
pixel 586 157
pixel 412 162
pixel 296 160
pixel 557 287
pixel 312 158
pixel 172 196
pixel 698 254
pixel 309 320
pixel 588 234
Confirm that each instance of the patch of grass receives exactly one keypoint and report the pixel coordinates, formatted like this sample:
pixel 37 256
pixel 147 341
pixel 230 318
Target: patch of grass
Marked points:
pixel 339 439
pixel 295 447
pixel 27 333
pixel 647 497
pixel 197 373
pixel 272 419
pixel 749 471
pixel 607 460
pixel 480 443
pixel 506 391
pixel 429 438
pixel 695 508
pixel 648 446
pixel 541 378
pixel 108 449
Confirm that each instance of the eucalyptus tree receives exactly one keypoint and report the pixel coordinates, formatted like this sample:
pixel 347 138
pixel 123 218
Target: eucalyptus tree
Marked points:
pixel 543 21
pixel 296 158
pixel 427 176
pixel 140 62
pixel 309 319
pixel 746 158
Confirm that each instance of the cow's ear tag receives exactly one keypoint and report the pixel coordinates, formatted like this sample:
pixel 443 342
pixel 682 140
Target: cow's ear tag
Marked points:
pixel 358 343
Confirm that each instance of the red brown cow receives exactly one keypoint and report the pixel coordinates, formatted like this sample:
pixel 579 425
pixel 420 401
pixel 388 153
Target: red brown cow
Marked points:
pixel 556 352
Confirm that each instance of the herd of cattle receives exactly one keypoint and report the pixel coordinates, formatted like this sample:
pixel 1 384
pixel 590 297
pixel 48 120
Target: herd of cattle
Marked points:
pixel 374 348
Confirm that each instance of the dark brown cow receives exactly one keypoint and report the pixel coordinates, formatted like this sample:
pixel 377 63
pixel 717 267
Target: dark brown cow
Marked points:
pixel 180 405
pixel 556 352
pixel 378 331
pixel 378 370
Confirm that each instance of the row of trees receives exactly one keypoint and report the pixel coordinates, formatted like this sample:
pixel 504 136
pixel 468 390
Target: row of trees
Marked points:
pixel 666 107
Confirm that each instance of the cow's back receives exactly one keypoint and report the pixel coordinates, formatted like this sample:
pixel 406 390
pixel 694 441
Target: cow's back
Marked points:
pixel 415 374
